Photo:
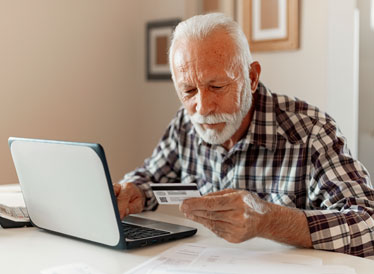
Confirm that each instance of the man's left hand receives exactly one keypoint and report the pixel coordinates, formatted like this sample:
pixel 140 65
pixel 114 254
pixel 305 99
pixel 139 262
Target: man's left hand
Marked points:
pixel 235 215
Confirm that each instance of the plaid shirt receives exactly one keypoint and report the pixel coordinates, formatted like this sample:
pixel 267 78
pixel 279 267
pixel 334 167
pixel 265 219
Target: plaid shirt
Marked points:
pixel 293 155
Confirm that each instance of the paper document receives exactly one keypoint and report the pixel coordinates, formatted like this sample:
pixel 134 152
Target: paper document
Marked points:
pixel 14 213
pixel 11 188
pixel 77 268
pixel 202 259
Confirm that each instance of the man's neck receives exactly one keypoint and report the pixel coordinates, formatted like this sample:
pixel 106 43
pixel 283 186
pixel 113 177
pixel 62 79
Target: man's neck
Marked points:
pixel 242 131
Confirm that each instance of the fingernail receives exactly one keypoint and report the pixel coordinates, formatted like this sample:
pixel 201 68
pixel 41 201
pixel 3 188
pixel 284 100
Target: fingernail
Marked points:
pixel 127 211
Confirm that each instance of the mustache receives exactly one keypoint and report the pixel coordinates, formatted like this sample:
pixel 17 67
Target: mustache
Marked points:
pixel 213 118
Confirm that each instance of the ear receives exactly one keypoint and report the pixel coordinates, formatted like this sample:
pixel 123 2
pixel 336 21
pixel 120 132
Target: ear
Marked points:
pixel 254 75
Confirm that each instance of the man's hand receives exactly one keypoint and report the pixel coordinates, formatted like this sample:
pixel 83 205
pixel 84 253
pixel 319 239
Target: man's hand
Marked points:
pixel 239 215
pixel 130 199
pixel 234 215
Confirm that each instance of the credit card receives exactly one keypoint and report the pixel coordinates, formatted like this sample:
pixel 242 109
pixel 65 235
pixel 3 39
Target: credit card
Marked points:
pixel 173 194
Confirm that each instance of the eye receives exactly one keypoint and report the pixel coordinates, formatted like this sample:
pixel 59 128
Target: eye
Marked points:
pixel 216 87
pixel 189 91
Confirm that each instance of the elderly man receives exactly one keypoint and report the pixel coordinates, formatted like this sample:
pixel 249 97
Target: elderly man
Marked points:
pixel 267 165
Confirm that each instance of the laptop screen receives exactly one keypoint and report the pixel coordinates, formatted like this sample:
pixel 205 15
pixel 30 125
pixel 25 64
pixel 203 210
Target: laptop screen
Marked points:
pixel 67 188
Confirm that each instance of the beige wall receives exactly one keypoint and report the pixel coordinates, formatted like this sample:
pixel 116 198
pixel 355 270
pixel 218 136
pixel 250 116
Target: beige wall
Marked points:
pixel 322 72
pixel 366 127
pixel 158 101
pixel 74 70
pixel 301 72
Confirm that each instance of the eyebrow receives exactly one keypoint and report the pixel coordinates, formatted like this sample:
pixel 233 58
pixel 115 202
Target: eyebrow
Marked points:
pixel 217 81
pixel 186 85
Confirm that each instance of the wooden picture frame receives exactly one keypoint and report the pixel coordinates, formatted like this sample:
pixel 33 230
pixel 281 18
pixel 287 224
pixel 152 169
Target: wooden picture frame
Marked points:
pixel 157 46
pixel 265 33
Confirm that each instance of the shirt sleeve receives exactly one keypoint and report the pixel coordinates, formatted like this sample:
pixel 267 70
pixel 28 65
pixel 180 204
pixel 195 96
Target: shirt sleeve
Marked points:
pixel 341 198
pixel 162 167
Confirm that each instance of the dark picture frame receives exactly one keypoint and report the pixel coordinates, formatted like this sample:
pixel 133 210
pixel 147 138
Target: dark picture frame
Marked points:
pixel 158 38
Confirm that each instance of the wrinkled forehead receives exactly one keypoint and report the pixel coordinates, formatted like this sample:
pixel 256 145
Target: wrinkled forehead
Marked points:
pixel 212 55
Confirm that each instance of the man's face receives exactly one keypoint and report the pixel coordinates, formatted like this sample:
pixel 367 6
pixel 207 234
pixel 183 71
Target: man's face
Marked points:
pixel 210 87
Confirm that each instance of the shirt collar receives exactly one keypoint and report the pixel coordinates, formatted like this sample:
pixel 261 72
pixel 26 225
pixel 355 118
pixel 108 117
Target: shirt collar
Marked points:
pixel 263 128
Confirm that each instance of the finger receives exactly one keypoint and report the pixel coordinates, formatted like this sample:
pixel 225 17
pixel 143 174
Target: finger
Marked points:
pixel 123 200
pixel 221 192
pixel 123 208
pixel 228 216
pixel 136 206
pixel 222 229
pixel 211 224
pixel 116 189
pixel 134 200
pixel 210 203
pixel 215 226
pixel 217 193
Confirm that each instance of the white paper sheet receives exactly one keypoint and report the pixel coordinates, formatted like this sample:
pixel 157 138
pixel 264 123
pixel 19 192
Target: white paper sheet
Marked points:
pixel 77 268
pixel 201 259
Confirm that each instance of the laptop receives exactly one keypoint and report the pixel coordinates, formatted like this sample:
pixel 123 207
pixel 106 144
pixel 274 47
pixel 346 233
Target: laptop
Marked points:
pixel 68 191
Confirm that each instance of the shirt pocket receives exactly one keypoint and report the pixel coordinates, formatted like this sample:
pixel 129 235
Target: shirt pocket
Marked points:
pixel 283 199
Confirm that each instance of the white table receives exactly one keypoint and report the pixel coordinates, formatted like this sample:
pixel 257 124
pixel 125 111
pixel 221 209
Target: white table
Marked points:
pixel 30 250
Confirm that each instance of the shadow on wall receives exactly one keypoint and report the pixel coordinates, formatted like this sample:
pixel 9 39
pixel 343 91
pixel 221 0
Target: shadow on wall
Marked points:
pixel 367 151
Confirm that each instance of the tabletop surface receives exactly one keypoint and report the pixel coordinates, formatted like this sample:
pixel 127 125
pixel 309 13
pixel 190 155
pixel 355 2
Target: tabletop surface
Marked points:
pixel 30 250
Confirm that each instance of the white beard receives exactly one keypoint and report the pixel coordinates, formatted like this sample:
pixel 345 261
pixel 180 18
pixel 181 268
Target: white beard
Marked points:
pixel 232 121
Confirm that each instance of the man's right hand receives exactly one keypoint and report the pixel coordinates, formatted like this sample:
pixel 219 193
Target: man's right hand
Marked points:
pixel 130 199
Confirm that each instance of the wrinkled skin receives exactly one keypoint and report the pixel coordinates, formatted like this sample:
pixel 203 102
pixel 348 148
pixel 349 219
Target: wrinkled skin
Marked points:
pixel 130 199
pixel 208 82
pixel 235 215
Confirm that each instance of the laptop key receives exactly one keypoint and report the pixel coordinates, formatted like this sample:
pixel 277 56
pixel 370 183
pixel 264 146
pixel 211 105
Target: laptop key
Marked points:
pixel 138 232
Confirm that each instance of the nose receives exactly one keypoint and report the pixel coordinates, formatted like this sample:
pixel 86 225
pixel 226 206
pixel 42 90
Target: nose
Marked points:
pixel 205 103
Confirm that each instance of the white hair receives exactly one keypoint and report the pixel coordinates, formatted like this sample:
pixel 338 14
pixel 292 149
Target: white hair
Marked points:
pixel 201 26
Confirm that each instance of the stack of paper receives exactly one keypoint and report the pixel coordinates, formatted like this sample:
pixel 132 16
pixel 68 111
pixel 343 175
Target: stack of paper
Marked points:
pixel 201 259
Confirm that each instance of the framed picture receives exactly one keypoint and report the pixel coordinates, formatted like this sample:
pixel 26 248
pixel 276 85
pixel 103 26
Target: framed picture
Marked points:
pixel 158 43
pixel 271 24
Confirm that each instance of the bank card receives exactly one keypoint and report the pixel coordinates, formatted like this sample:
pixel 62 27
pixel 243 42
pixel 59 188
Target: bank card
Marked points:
pixel 173 194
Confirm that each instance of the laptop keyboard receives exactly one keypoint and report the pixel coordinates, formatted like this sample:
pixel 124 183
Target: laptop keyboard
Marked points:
pixel 135 232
